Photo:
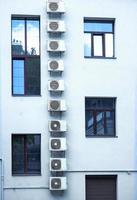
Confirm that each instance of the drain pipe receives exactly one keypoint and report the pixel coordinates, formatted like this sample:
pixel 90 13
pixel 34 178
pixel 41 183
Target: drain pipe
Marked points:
pixel 2 179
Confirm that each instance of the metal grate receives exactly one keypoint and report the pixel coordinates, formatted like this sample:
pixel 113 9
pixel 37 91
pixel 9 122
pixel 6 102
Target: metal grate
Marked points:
pixel 54 105
pixel 56 164
pixel 54 45
pixel 56 183
pixel 54 65
pixel 55 125
pixel 53 26
pixel 53 6
pixel 55 144
pixel 54 85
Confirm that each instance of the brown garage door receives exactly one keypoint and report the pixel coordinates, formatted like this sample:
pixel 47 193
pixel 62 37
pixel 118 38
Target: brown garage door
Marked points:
pixel 100 187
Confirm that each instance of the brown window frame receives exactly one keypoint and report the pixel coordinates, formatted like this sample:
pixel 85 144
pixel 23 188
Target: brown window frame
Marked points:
pixel 95 111
pixel 25 155
pixel 25 56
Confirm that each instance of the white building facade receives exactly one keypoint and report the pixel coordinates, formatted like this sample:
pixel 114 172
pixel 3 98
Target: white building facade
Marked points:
pixel 97 97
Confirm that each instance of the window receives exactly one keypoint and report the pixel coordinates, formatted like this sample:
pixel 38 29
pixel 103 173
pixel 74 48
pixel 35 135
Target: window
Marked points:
pixel 100 116
pixel 26 154
pixel 25 56
pixel 98 38
pixel 101 187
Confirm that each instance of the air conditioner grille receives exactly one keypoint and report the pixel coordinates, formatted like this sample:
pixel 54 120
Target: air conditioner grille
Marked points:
pixel 54 105
pixel 55 144
pixel 54 85
pixel 56 164
pixel 55 125
pixel 54 65
pixel 53 26
pixel 54 45
pixel 53 6
pixel 56 183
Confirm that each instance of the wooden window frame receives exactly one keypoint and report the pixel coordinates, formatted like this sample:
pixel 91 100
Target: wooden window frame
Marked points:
pixel 26 172
pixel 94 111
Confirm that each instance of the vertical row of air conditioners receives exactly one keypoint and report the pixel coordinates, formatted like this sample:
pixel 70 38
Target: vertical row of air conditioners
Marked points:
pixel 57 105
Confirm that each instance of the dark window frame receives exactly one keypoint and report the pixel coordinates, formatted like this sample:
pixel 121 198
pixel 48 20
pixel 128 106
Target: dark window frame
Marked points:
pixel 101 20
pixel 26 56
pixel 95 110
pixel 108 176
pixel 24 136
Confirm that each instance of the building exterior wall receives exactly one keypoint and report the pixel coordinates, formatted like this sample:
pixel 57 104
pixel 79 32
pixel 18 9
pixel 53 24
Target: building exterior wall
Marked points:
pixel 83 77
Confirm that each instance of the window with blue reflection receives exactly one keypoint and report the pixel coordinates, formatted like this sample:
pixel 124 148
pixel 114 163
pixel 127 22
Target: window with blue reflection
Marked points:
pixel 87 44
pixel 18 77
pixel 98 38
pixel 25 55
pixel 98 27
pixel 33 37
pixel 18 37
pixel 100 116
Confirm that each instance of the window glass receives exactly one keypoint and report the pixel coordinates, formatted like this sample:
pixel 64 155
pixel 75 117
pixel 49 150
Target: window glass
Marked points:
pixel 18 77
pixel 32 76
pixel 110 123
pixel 33 37
pixel 89 123
pixel 18 155
pixel 87 44
pixel 100 116
pixel 18 37
pixel 100 103
pixel 109 45
pixel 98 45
pixel 26 154
pixel 33 144
pixel 98 27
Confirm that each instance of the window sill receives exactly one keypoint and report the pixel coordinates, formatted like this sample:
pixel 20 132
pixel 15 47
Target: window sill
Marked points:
pixel 16 95
pixel 109 58
pixel 17 175
pixel 92 136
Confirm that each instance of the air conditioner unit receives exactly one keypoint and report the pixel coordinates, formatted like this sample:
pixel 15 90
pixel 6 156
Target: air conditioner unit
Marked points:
pixel 57 126
pixel 56 26
pixel 57 105
pixel 55 6
pixel 58 164
pixel 57 144
pixel 58 183
pixel 55 65
pixel 56 46
pixel 56 85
